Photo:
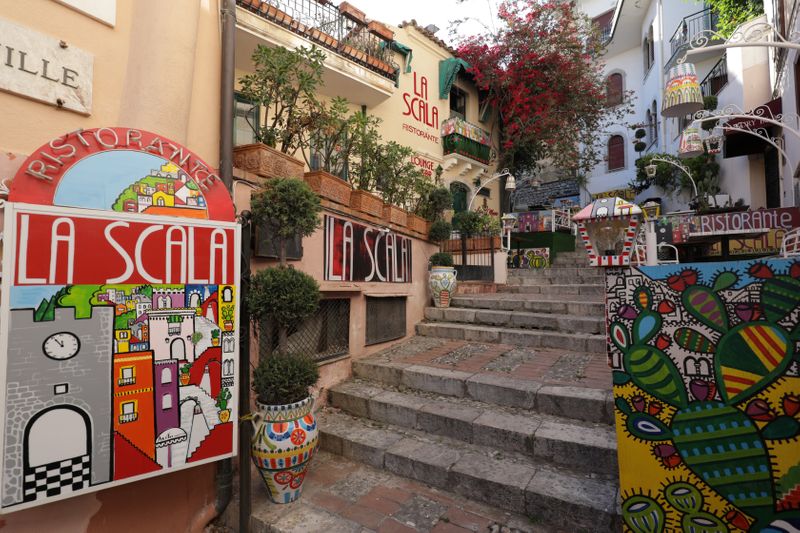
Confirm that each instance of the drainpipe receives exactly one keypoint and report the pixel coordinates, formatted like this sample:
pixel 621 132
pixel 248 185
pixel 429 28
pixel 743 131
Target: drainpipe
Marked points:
pixel 228 14
pixel 663 134
pixel 224 476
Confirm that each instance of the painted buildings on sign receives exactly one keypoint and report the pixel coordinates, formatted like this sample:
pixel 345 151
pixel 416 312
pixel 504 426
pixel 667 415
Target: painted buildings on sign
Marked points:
pixel 113 369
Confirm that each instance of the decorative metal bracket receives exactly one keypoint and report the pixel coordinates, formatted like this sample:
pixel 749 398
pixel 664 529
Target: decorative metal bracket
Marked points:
pixel 679 166
pixel 759 34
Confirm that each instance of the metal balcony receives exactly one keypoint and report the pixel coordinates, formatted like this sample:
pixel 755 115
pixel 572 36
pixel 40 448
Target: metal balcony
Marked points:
pixel 122 382
pixel 331 28
pixel 713 83
pixel 466 139
pixel 689 29
pixel 128 417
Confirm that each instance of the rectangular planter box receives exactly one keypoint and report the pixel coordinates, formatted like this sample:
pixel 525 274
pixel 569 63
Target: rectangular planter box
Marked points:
pixel 353 13
pixel 476 244
pixel 380 30
pixel 418 224
pixel 267 162
pixel 395 215
pixel 329 186
pixel 366 203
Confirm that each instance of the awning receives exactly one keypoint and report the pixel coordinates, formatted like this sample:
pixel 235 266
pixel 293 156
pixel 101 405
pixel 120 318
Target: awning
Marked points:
pixel 448 70
pixel 769 110
pixel 405 50
pixel 738 140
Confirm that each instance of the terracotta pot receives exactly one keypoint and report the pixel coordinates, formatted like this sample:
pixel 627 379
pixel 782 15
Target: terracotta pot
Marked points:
pixel 417 223
pixel 224 415
pixel 184 379
pixel 384 67
pixel 353 13
pixel 366 203
pixel 214 341
pixel 395 215
pixel 442 283
pixel 329 186
pixel 283 444
pixel 380 30
pixel 267 162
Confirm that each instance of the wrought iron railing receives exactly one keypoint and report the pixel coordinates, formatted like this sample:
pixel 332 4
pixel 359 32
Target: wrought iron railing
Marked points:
pixel 713 83
pixel 689 28
pixel 324 335
pixel 464 138
pixel 325 25
pixel 126 381
pixel 128 417
pixel 473 255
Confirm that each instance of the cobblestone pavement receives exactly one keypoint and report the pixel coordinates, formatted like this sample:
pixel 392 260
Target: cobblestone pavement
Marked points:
pixel 545 365
pixel 341 496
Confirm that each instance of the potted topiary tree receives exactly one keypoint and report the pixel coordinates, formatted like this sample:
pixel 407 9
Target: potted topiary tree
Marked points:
pixel 284 423
pixel 285 83
pixel 442 279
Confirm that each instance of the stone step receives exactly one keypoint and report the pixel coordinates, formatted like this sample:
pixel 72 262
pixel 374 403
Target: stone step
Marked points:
pixel 583 271
pixel 548 494
pixel 574 342
pixel 578 446
pixel 529 302
pixel 595 291
pixel 558 279
pixel 518 319
pixel 578 403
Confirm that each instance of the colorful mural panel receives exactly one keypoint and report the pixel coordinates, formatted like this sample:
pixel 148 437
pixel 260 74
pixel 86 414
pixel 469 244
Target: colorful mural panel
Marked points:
pixel 532 258
pixel 707 395
pixel 118 346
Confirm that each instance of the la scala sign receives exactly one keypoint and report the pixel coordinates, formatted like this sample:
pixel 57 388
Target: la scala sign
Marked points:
pixel 120 305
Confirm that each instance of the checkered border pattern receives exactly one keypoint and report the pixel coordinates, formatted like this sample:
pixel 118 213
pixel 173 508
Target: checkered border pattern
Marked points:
pixel 54 478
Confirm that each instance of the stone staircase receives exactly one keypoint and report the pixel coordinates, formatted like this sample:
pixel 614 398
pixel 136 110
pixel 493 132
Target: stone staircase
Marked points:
pixel 547 450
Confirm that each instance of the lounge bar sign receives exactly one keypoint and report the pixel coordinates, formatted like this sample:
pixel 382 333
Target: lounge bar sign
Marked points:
pixel 120 305
pixel 354 252
pixel 44 68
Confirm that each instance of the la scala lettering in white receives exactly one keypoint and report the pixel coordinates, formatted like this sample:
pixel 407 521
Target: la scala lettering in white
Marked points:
pixel 178 241
pixel 388 253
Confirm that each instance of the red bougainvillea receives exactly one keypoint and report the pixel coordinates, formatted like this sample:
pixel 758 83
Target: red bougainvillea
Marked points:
pixel 542 72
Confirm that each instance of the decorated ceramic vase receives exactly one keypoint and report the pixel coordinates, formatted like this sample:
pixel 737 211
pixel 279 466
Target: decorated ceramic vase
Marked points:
pixel 284 441
pixel 442 282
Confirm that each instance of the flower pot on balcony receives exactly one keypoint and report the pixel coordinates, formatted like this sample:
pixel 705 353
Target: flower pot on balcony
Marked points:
pixel 395 215
pixel 380 30
pixel 384 67
pixel 353 13
pixel 417 223
pixel 366 203
pixel 327 40
pixel 329 186
pixel 267 162
pixel 314 34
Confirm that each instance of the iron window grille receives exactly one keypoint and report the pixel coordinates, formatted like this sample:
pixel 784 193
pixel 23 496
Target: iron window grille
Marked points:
pixel 325 335
pixel 386 319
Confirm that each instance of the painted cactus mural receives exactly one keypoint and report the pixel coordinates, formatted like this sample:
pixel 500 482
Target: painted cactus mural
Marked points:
pixel 707 395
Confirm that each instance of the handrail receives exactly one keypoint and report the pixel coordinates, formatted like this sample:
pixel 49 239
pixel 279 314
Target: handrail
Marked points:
pixel 719 70
pixel 688 28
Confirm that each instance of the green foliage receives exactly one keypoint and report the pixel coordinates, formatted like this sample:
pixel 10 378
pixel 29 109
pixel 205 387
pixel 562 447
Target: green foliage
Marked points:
pixel 709 104
pixel 640 147
pixel 283 378
pixel 289 207
pixel 285 83
pixel 433 201
pixel 440 231
pixel 468 222
pixel 222 398
pixel 705 171
pixel 186 368
pixel 732 13
pixel 703 168
pixel 441 259
pixel 124 320
pixel 491 225
pixel 397 176
pixel 79 297
pixel 215 334
pixel 197 336
pixel 282 294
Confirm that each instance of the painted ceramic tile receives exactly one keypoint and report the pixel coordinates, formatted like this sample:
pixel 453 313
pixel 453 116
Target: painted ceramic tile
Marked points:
pixel 707 395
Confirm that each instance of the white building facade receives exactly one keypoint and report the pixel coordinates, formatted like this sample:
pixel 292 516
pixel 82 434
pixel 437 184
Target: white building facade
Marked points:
pixel 643 40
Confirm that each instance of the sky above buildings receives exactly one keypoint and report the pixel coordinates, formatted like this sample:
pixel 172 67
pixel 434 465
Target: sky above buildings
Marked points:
pixel 438 12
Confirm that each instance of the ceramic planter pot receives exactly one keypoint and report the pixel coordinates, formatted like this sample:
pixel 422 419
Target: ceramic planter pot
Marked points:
pixel 442 282
pixel 284 442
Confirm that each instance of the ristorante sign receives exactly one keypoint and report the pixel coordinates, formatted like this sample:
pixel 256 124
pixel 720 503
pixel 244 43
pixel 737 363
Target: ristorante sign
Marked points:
pixel 120 306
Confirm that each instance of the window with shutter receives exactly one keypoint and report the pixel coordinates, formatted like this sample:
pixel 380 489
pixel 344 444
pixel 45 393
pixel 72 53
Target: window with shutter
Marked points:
pixel 614 89
pixel 616 152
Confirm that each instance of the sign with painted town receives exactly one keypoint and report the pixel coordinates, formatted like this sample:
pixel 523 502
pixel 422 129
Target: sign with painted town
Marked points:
pixel 118 343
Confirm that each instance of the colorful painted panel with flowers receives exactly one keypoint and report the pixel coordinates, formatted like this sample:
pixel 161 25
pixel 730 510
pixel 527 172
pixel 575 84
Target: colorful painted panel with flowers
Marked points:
pixel 707 395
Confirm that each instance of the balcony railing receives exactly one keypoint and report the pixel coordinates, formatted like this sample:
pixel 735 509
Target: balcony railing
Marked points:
pixel 128 417
pixel 340 29
pixel 461 137
pixel 688 29
pixel 126 381
pixel 713 83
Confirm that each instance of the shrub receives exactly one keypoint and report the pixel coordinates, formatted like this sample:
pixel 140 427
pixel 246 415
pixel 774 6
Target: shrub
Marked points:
pixel 640 133
pixel 640 146
pixel 288 205
pixel 441 259
pixel 282 294
pixel 440 231
pixel 468 222
pixel 439 200
pixel 283 378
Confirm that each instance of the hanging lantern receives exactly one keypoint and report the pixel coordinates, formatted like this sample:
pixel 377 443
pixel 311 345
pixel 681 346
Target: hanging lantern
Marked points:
pixel 608 229
pixel 691 143
pixel 682 95
pixel 650 170
pixel 509 221
pixel 713 144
